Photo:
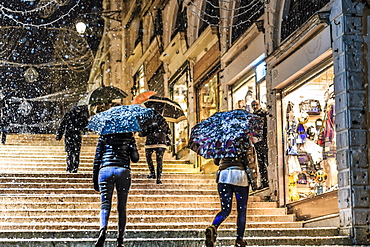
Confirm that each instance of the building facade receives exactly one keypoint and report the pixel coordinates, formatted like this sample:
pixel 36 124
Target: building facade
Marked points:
pixel 305 61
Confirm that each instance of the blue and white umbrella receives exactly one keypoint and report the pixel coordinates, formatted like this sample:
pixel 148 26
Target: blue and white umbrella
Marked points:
pixel 225 134
pixel 120 119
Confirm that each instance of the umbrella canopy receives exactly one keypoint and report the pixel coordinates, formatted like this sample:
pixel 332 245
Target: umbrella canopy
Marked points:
pixel 120 119
pixel 102 95
pixel 225 134
pixel 141 98
pixel 169 109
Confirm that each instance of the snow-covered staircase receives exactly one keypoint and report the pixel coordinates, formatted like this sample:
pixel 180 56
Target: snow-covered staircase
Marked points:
pixel 42 205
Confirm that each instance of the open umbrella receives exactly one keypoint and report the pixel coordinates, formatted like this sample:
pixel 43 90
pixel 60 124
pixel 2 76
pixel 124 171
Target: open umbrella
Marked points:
pixel 225 134
pixel 168 108
pixel 121 119
pixel 142 97
pixel 102 95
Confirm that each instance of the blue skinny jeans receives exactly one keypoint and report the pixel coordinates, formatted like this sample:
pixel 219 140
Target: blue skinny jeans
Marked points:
pixel 226 192
pixel 121 178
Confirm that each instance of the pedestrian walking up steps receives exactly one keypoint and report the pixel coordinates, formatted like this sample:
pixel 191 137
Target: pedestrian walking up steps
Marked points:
pixel 42 205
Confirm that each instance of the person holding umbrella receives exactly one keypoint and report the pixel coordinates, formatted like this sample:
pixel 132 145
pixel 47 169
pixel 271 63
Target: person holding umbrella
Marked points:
pixel 231 179
pixel 226 137
pixel 156 132
pixel 112 168
pixel 115 150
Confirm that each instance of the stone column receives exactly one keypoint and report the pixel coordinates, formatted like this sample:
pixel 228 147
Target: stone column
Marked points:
pixel 350 84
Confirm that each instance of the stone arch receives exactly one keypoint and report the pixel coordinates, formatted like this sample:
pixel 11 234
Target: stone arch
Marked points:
pixel 169 20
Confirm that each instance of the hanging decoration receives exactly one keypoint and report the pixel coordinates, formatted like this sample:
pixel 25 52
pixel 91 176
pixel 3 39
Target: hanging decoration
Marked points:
pixel 44 9
pixel 31 74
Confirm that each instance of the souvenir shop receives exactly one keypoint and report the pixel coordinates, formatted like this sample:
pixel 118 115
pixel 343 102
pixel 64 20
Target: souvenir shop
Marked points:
pixel 308 113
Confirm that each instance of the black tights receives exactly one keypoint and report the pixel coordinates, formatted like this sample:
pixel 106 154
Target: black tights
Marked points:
pixel 226 192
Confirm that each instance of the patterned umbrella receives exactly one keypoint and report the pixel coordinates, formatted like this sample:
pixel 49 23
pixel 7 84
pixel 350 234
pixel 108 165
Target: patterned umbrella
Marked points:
pixel 225 134
pixel 120 119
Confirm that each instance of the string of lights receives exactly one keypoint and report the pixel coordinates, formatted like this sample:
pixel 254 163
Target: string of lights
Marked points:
pixel 225 26
pixel 2 7
pixel 255 3
pixel 10 16
pixel 76 54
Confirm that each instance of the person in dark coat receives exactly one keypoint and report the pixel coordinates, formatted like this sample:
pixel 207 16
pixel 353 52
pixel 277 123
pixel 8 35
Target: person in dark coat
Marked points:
pixel 232 178
pixel 71 126
pixel 112 168
pixel 157 132
pixel 261 146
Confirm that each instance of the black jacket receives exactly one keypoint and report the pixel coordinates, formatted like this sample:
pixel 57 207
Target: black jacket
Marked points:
pixel 156 131
pixel 73 122
pixel 114 150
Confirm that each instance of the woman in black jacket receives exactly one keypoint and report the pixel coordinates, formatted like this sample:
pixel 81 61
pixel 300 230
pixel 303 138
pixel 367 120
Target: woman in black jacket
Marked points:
pixel 112 167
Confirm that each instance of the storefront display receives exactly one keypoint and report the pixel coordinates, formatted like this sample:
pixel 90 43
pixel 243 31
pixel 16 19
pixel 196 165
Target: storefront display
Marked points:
pixel 208 95
pixel 309 134
pixel 244 92
pixel 179 93
pixel 208 98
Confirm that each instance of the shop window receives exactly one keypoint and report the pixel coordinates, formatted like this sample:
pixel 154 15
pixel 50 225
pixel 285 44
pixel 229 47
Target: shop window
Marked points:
pixel 179 94
pixel 262 94
pixel 208 94
pixel 156 83
pixel 210 15
pixel 139 82
pixel 245 14
pixel 309 134
pixel 243 93
pixel 208 102
pixel 298 12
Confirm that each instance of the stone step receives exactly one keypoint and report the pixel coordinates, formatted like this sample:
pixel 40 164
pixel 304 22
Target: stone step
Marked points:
pixel 87 175
pixel 151 217
pixel 141 225
pixel 132 208
pixel 51 191
pixel 38 180
pixel 51 169
pixel 83 162
pixel 82 186
pixel 45 139
pixel 179 242
pixel 133 202
pixel 149 199
pixel 172 233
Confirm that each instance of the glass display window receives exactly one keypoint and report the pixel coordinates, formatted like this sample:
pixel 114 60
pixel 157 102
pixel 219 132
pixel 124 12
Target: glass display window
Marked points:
pixel 243 93
pixel 208 102
pixel 262 94
pixel 309 138
pixel 179 94
pixel 208 94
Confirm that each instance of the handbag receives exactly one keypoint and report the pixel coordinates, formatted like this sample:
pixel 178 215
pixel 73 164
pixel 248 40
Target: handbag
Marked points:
pixel 310 106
